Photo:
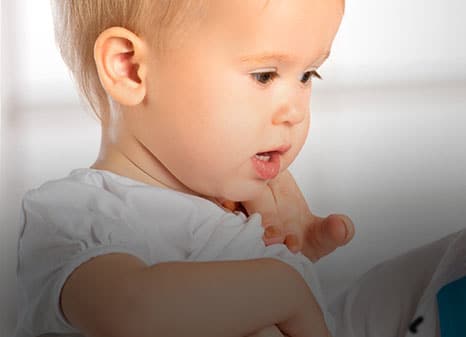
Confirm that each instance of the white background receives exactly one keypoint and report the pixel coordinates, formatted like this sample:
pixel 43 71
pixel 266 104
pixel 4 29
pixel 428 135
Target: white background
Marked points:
pixel 386 145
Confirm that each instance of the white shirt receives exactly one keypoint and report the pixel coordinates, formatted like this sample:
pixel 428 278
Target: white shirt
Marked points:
pixel 92 212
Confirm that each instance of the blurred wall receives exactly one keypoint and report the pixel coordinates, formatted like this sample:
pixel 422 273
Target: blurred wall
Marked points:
pixel 386 144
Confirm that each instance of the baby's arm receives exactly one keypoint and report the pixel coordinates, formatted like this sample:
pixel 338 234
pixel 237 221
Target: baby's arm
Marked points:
pixel 270 331
pixel 117 295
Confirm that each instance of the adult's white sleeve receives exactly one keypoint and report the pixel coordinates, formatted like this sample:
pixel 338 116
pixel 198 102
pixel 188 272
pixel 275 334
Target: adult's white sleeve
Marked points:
pixel 383 302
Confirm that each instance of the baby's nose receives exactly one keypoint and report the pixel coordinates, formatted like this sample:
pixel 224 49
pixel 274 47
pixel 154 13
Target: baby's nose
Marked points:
pixel 289 113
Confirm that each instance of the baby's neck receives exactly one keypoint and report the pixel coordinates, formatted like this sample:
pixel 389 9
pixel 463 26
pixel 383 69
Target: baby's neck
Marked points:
pixel 117 162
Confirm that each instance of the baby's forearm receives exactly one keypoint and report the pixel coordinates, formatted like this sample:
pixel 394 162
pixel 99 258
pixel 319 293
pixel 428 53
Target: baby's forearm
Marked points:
pixel 225 298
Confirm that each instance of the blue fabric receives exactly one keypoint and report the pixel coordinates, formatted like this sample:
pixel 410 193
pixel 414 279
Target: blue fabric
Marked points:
pixel 451 300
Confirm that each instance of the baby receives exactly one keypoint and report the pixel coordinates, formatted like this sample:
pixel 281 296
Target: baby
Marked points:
pixel 203 106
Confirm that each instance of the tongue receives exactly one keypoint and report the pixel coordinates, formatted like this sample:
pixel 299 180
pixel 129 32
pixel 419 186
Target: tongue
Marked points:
pixel 267 169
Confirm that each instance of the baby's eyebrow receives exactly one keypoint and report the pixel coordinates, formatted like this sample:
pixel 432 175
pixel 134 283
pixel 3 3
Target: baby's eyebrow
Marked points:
pixel 278 57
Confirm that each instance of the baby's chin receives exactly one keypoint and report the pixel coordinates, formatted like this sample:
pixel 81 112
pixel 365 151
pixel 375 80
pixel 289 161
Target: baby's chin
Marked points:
pixel 244 191
pixel 236 189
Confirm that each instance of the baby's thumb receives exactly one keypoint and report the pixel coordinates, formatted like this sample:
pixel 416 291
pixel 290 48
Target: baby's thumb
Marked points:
pixel 339 229
pixel 327 234
pixel 334 231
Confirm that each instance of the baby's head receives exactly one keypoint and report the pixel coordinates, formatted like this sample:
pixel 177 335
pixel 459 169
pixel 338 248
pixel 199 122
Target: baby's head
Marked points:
pixel 209 97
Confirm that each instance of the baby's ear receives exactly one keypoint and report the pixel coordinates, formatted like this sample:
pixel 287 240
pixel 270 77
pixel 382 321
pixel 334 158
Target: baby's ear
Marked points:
pixel 120 57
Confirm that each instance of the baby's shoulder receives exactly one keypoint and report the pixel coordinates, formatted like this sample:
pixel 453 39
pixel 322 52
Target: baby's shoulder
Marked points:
pixel 69 194
pixel 89 193
pixel 63 190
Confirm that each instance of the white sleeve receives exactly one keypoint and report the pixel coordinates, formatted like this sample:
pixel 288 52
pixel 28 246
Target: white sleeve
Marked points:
pixel 62 228
pixel 233 239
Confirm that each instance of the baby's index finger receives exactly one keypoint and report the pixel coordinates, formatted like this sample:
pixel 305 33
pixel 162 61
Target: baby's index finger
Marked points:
pixel 273 235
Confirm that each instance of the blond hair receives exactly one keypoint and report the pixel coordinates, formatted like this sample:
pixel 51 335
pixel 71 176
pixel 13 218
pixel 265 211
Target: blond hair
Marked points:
pixel 78 23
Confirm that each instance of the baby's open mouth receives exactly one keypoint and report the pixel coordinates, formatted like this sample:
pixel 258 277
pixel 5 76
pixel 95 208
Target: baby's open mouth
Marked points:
pixel 266 164
pixel 264 156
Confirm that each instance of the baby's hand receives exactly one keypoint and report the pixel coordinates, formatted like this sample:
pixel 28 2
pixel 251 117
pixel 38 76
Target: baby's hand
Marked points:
pixel 287 219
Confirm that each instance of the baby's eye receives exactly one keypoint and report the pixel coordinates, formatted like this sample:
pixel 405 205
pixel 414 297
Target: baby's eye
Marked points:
pixel 264 77
pixel 309 74
pixel 268 76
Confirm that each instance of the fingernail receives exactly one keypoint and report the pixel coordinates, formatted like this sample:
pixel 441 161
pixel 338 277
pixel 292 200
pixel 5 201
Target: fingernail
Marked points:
pixel 292 243
pixel 271 232
pixel 345 226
